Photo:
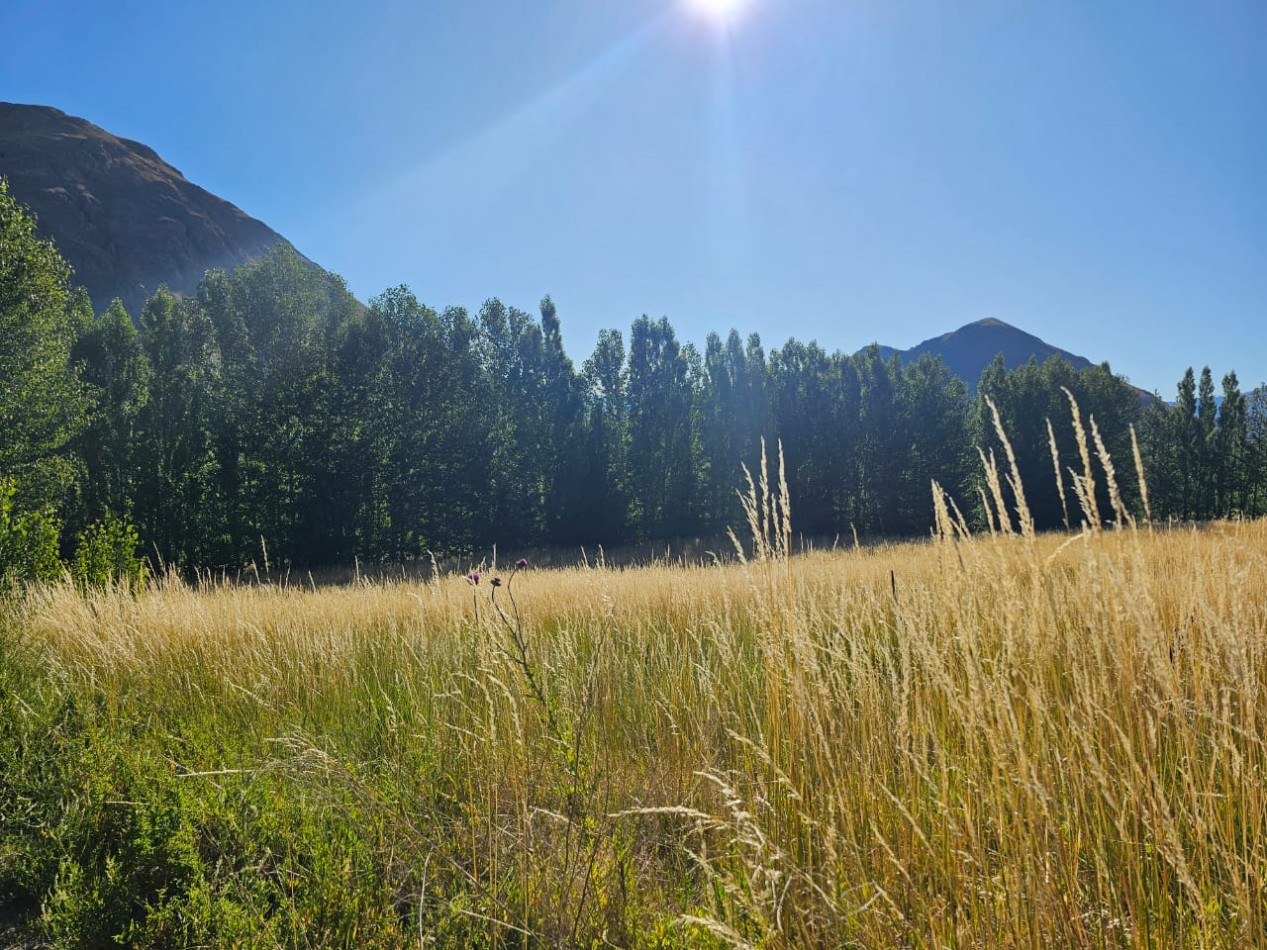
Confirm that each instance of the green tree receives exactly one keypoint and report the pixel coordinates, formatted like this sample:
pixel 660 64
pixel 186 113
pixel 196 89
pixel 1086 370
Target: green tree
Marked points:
pixel 1207 416
pixel 179 509
pixel 1033 394
pixel 415 404
pixel 1256 452
pixel 519 425
pixel 662 451
pixel 278 434
pixel 933 420
pixel 1231 450
pixel 43 405
pixel 605 494
pixel 569 467
pixel 114 367
pixel 1186 436
pixel 814 402
pixel 880 460
pixel 734 417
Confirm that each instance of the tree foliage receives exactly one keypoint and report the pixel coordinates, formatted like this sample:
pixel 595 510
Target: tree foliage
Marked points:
pixel 272 417
pixel 43 405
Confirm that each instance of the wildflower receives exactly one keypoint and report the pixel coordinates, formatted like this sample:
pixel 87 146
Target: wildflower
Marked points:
pixel 496 582
pixel 473 577
pixel 521 563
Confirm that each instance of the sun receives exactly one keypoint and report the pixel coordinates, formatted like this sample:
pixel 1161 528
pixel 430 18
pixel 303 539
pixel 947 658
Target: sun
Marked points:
pixel 721 11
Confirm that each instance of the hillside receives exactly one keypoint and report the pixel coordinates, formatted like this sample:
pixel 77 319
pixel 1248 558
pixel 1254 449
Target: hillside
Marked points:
pixel 126 220
pixel 970 349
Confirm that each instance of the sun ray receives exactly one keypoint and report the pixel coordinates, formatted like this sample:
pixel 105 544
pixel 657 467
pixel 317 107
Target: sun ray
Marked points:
pixel 722 11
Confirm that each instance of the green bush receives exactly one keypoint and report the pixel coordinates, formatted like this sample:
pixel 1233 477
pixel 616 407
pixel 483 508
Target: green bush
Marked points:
pixel 103 843
pixel 28 541
pixel 106 555
pixel 42 744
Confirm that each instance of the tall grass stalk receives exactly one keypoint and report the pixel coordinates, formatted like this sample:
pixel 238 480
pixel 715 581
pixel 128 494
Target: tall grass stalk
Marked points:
pixel 983 741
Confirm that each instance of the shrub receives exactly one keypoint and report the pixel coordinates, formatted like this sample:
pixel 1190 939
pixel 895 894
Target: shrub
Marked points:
pixel 28 541
pixel 106 555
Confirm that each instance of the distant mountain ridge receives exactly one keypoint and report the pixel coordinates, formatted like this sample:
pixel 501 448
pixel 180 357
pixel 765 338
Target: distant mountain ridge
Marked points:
pixel 970 349
pixel 125 220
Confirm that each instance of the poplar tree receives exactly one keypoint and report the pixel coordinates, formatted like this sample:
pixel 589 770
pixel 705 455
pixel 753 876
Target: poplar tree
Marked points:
pixel 1231 450
pixel 113 365
pixel 178 506
pixel 1186 435
pixel 1207 414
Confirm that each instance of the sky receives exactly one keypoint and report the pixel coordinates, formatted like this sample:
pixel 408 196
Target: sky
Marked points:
pixel 845 171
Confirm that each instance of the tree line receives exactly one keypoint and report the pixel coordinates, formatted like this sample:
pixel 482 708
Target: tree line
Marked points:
pixel 272 410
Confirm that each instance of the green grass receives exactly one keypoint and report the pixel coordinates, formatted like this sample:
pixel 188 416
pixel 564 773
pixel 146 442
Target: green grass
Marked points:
pixel 999 742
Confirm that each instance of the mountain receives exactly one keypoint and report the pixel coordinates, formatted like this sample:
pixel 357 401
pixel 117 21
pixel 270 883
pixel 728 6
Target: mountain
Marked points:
pixel 124 219
pixel 971 348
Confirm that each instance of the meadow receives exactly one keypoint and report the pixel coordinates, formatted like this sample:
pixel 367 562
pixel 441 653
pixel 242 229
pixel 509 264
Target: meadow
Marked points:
pixel 1004 740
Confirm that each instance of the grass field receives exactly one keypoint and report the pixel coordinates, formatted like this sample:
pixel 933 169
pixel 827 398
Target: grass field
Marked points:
pixel 995 742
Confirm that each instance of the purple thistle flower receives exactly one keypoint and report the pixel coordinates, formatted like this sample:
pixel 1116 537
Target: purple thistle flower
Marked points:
pixel 473 577
pixel 521 563
pixel 496 582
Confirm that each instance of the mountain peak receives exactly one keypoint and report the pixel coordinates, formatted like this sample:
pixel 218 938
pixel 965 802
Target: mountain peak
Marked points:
pixel 124 219
pixel 971 348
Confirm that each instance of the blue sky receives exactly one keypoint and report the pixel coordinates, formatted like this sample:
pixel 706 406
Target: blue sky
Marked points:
pixel 839 170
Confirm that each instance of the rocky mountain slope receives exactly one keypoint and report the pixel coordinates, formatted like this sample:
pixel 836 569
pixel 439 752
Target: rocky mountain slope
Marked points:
pixel 126 220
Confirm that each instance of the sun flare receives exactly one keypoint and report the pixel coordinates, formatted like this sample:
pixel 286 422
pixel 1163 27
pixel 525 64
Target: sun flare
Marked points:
pixel 719 10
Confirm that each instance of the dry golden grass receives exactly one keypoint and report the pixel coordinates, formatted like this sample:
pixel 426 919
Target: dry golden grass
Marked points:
pixel 999 742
